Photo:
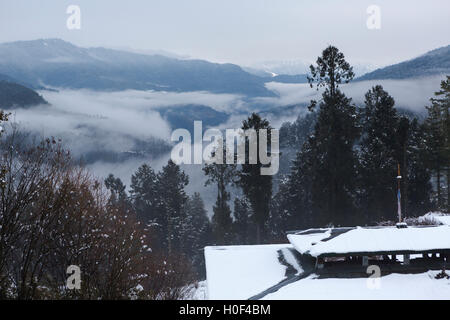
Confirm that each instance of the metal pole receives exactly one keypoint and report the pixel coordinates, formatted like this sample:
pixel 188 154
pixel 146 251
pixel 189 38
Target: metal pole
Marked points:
pixel 399 195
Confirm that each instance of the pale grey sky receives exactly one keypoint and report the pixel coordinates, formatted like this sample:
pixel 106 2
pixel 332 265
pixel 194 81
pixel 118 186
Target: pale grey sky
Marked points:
pixel 239 31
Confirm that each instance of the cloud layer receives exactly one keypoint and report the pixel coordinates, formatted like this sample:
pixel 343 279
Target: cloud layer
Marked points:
pixel 413 94
pixel 90 121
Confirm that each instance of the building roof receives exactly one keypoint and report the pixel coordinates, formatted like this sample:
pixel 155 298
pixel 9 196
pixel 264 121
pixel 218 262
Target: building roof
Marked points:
pixel 278 272
pixel 367 241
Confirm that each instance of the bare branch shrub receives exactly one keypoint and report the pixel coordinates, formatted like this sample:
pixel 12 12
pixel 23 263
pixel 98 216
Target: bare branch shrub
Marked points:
pixel 54 214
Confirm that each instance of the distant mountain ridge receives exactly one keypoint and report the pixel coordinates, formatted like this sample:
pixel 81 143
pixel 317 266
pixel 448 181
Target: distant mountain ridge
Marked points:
pixel 57 63
pixel 299 67
pixel 431 63
pixel 38 64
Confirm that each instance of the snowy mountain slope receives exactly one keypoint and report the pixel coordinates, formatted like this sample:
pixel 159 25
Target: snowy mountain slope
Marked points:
pixel 431 63
pixel 299 67
pixel 57 63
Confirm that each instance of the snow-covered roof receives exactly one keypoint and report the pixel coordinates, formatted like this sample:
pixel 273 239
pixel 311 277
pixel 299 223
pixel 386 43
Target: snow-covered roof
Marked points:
pixel 265 271
pixel 372 240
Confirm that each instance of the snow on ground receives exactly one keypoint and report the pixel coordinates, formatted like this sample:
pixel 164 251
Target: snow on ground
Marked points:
pixel 240 272
pixel 377 240
pixel 393 286
pixel 436 216
pixel 197 291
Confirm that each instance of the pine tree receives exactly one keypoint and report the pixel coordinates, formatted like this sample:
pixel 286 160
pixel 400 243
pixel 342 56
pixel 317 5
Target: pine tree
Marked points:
pixel 222 175
pixel 292 204
pixel 118 195
pixel 295 134
pixel 171 183
pixel 378 156
pixel 438 138
pixel 144 195
pixel 417 175
pixel 281 213
pixel 402 137
pixel 257 188
pixel 444 100
pixel 242 224
pixel 196 232
pixel 298 195
pixel 332 154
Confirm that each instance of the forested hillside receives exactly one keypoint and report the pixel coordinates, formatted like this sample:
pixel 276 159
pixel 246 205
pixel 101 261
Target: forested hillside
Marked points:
pixel 13 95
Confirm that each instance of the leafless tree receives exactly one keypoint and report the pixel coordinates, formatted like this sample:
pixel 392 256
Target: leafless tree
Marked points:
pixel 54 214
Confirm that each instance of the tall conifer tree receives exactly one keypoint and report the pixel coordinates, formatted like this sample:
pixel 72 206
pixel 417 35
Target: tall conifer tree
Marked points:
pixel 331 153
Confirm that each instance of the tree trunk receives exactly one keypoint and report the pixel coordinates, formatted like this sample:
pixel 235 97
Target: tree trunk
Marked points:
pixel 404 175
pixel 439 202
pixel 258 233
pixel 448 189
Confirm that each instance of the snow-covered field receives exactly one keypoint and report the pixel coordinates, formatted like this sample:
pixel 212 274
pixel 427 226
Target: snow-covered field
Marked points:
pixel 393 286
pixel 239 272
pixel 438 217
pixel 197 291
